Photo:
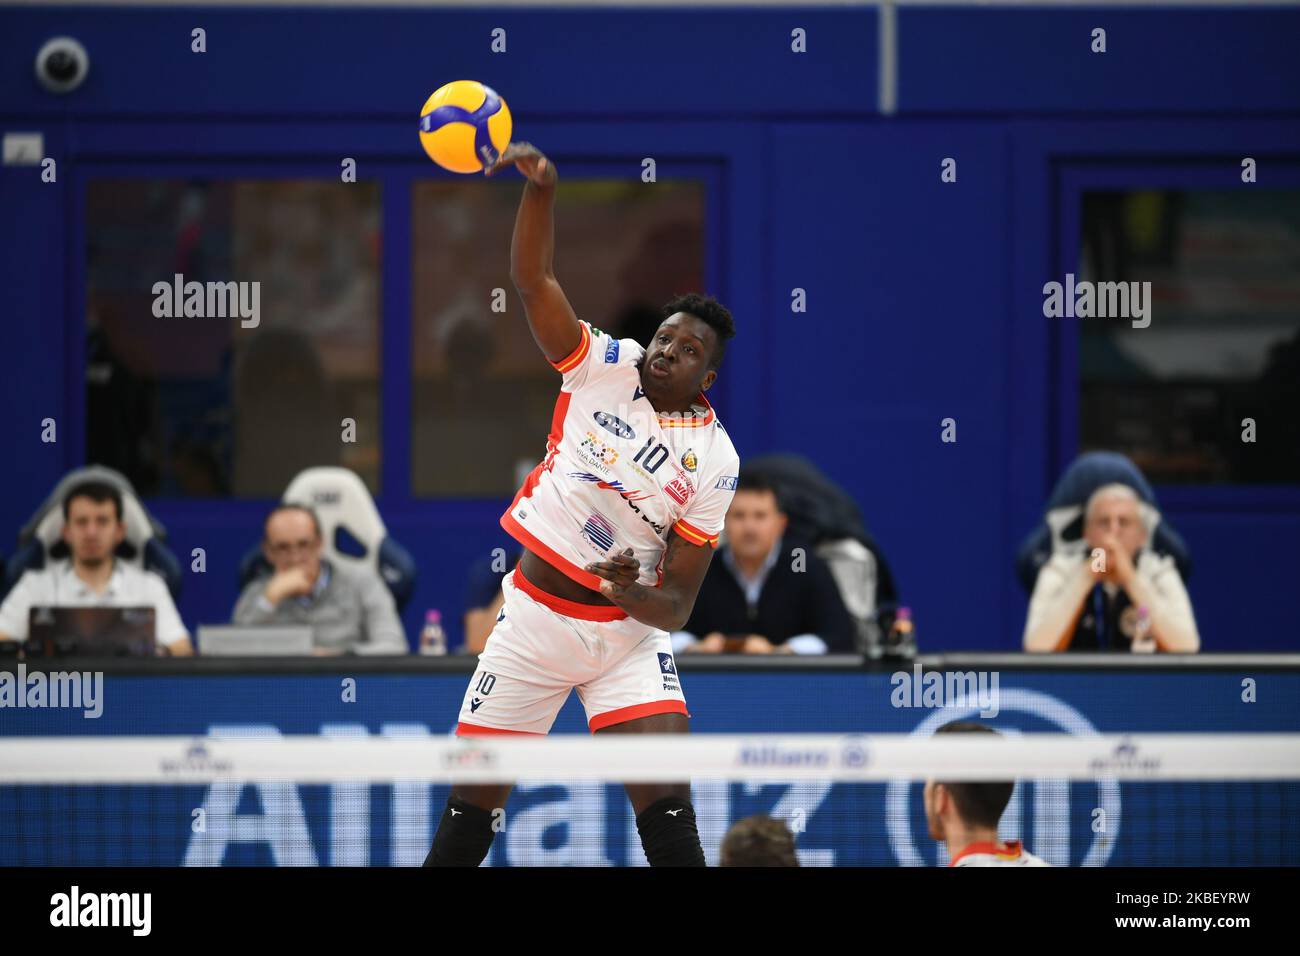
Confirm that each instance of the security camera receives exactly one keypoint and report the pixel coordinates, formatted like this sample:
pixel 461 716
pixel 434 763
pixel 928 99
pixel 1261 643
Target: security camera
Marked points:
pixel 62 64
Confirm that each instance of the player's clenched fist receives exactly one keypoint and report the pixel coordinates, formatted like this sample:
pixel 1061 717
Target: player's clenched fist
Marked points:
pixel 536 168
pixel 619 573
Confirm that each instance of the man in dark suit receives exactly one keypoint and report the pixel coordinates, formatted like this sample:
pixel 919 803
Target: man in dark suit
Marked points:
pixel 765 593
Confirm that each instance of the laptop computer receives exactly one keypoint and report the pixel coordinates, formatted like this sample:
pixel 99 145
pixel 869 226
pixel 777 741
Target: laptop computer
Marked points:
pixel 232 640
pixel 90 632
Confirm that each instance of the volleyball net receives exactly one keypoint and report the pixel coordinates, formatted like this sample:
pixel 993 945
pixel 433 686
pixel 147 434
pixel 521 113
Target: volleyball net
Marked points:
pixel 1094 800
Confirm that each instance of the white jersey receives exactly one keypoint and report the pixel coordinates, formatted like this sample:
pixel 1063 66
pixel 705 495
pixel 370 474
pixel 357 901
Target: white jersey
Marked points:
pixel 617 474
pixel 1011 853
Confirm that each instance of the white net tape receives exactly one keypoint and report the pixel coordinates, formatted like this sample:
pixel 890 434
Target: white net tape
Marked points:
pixel 649 758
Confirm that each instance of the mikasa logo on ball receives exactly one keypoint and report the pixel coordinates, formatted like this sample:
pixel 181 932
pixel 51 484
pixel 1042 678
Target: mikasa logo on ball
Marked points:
pixel 464 126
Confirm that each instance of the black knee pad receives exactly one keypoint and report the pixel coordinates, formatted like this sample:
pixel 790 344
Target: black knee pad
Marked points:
pixel 668 833
pixel 464 835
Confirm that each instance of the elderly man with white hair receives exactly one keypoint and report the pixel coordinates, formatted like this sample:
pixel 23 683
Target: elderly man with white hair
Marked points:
pixel 1115 595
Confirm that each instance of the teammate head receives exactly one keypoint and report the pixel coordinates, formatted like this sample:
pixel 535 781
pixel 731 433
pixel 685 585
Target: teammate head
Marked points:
pixel 758 841
pixel 92 523
pixel 683 355
pixel 292 539
pixel 960 814
pixel 755 520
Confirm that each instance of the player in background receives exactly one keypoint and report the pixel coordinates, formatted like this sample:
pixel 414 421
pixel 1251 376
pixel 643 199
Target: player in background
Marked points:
pixel 964 816
pixel 618 524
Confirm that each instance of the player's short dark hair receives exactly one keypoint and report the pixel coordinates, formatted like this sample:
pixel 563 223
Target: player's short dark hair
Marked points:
pixel 758 841
pixel 979 802
pixel 292 506
pixel 753 481
pixel 96 491
pixel 709 311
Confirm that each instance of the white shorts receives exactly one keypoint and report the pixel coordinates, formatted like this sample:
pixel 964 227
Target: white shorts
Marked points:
pixel 543 646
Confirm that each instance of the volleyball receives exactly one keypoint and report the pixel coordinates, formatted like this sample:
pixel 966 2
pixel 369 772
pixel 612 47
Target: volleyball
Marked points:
pixel 464 126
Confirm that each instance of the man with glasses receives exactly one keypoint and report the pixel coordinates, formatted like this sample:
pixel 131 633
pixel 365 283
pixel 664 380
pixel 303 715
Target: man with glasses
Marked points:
pixel 349 611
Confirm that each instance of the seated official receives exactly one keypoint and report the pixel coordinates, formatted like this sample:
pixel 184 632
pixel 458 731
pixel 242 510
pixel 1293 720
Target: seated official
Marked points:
pixel 349 611
pixel 1114 596
pixel 484 597
pixel 92 576
pixel 760 596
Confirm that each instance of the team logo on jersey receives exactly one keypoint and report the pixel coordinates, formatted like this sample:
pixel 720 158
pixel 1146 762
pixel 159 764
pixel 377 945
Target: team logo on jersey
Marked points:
pixel 679 490
pixel 614 424
pixel 688 460
pixel 727 482
pixel 611 352
pixel 599 531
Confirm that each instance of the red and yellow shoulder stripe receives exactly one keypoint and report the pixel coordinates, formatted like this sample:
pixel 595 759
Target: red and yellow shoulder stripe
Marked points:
pixel 694 535
pixel 576 357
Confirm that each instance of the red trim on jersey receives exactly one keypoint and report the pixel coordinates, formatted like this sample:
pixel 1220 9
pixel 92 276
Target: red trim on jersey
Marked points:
pixel 583 612
pixel 624 714
pixel 574 358
pixel 525 537
pixel 530 541
pixel 693 534
pixel 1008 851
pixel 698 421
pixel 474 730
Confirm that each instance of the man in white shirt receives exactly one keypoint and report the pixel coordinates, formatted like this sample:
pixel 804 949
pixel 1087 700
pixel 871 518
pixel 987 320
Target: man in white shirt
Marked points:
pixel 964 816
pixel 1116 595
pixel 92 576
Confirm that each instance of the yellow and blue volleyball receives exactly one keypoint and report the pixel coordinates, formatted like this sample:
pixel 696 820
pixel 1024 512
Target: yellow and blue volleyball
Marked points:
pixel 464 126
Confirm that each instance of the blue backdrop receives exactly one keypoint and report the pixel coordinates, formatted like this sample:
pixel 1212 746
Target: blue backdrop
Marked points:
pixel 591 824
pixel 924 298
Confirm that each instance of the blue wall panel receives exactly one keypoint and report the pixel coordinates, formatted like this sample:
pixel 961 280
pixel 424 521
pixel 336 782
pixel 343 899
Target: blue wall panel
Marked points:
pixel 923 297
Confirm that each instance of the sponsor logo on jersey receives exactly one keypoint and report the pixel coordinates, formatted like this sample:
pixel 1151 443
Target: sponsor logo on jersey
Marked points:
pixel 596 453
pixel 727 482
pixel 615 485
pixel 614 424
pixel 599 531
pixel 637 393
pixel 688 460
pixel 678 490
pixel 666 664
pixel 611 352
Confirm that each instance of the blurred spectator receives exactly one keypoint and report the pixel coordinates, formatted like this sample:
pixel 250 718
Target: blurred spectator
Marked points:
pixel 92 576
pixel 760 595
pixel 965 816
pixel 349 611
pixel 758 841
pixel 484 597
pixel 1119 598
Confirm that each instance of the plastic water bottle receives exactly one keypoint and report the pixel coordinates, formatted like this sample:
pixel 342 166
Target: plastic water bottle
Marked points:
pixel 433 639
pixel 901 640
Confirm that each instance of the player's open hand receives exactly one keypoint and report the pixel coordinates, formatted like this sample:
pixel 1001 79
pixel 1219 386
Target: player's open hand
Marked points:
pixel 529 160
pixel 619 574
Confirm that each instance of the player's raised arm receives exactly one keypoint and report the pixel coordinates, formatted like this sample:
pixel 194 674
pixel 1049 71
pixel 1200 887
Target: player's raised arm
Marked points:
pixel 669 605
pixel 532 250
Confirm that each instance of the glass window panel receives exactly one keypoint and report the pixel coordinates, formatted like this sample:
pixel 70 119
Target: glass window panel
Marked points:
pixel 482 392
pixel 1224 340
pixel 202 405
